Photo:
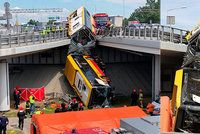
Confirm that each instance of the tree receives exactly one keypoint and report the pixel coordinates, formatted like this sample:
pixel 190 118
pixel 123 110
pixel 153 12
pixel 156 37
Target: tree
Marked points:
pixel 33 22
pixel 148 13
pixel 125 22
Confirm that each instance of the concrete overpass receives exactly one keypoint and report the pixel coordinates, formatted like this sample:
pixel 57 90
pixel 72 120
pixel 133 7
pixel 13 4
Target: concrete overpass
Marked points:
pixel 156 40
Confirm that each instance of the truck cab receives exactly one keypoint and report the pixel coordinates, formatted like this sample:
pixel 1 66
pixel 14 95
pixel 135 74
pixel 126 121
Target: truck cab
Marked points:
pixel 101 19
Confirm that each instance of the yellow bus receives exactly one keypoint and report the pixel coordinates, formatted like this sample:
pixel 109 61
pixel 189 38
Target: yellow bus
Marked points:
pixel 81 20
pixel 87 79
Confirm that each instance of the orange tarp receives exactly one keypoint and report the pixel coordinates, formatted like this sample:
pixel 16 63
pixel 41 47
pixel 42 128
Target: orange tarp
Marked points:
pixel 105 119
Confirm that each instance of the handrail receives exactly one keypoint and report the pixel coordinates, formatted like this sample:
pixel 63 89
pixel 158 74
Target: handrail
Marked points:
pixel 23 39
pixel 148 32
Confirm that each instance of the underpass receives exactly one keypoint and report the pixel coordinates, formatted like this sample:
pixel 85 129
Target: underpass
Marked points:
pixel 127 53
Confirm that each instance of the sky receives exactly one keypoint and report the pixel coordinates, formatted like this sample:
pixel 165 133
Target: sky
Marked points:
pixel 112 7
pixel 185 18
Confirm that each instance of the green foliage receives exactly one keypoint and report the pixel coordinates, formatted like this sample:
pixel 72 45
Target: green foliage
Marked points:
pixel 33 22
pixel 50 22
pixel 125 22
pixel 147 13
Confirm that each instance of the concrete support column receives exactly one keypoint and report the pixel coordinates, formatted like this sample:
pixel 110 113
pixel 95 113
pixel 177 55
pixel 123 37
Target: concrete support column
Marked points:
pixel 4 86
pixel 156 76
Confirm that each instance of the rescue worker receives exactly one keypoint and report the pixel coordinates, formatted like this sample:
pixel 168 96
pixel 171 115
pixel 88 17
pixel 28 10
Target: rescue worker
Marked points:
pixel 28 107
pixel 60 28
pixel 32 104
pixel 74 105
pixel 57 110
pixel 63 107
pixel 3 123
pixel 17 94
pixel 80 107
pixel 134 98
pixel 141 98
pixel 53 29
pixel 150 108
pixel 48 30
pixel 21 116
pixel 43 34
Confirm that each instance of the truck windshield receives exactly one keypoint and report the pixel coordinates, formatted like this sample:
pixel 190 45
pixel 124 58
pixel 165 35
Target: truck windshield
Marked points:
pixel 100 18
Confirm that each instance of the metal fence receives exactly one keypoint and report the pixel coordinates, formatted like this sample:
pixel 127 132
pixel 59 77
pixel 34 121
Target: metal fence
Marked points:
pixel 23 39
pixel 148 32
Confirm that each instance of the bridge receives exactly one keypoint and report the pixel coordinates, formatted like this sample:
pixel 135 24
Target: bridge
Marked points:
pixel 152 39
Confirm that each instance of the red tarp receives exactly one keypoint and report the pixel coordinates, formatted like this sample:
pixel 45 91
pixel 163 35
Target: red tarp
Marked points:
pixel 38 93
pixel 106 119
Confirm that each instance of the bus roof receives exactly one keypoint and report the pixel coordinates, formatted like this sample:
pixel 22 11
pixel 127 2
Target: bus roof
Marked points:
pixel 106 119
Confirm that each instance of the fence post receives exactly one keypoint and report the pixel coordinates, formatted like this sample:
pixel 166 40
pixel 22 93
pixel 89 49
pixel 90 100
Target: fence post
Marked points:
pixel 133 32
pixel 0 40
pixel 145 32
pixel 151 32
pixel 158 32
pixel 58 34
pixel 172 35
pixel 26 38
pixel 33 38
pixel 63 36
pixel 129 32
pixel 9 40
pixel 124 32
pixel 162 37
pixel 181 38
pixel 139 32
pixel 18 39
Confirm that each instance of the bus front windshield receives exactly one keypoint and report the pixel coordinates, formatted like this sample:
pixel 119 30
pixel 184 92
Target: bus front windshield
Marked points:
pixel 101 18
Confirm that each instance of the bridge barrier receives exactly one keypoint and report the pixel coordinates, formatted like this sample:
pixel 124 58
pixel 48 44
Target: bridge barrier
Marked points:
pixel 24 39
pixel 149 32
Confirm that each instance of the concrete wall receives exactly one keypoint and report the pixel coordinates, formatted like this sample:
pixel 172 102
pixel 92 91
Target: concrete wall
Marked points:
pixel 52 56
pixel 127 70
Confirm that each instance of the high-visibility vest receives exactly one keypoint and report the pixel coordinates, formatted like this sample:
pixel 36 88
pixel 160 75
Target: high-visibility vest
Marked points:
pixel 31 100
pixel 53 29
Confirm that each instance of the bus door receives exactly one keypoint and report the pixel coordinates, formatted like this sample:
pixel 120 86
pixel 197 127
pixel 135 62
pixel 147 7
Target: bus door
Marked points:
pixel 82 88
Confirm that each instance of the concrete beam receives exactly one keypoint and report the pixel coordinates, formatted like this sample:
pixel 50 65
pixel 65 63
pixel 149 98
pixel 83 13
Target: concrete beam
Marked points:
pixel 142 45
pixel 23 50
pixel 139 45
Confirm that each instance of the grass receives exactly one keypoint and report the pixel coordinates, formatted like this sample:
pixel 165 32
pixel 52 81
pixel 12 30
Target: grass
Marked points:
pixel 11 131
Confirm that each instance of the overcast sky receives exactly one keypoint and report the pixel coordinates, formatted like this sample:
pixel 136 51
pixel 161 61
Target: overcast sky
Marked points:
pixel 112 7
pixel 184 18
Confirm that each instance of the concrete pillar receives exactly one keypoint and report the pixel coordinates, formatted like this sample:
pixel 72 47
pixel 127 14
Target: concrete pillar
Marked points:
pixel 4 86
pixel 156 78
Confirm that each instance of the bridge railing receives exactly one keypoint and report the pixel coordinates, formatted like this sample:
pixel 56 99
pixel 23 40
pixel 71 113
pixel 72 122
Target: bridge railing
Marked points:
pixel 23 39
pixel 149 32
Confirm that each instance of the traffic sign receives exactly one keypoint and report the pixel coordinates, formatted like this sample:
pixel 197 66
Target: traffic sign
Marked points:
pixel 170 20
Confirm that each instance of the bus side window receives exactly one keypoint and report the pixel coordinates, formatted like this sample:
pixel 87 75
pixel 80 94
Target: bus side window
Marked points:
pixel 79 84
pixel 84 88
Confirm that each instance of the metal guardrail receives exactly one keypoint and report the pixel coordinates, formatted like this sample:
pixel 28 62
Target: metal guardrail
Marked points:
pixel 24 39
pixel 149 32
